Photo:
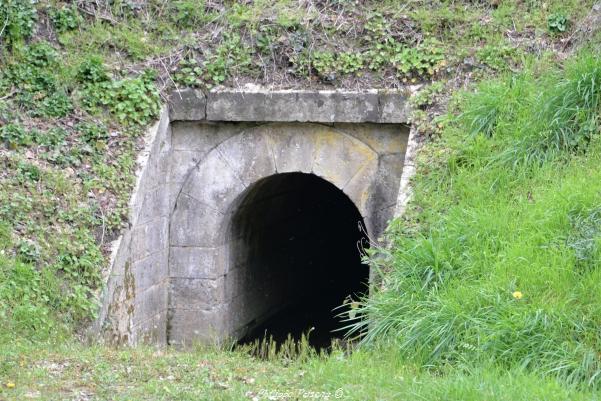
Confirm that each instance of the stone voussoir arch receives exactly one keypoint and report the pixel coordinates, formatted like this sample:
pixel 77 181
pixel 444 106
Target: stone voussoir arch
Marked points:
pixel 207 196
pixel 201 218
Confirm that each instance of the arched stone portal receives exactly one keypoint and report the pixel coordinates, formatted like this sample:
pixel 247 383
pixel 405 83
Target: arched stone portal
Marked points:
pixel 205 304
pixel 219 167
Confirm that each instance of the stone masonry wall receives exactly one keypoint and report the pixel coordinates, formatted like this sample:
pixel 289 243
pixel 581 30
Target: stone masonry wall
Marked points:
pixel 168 279
pixel 135 299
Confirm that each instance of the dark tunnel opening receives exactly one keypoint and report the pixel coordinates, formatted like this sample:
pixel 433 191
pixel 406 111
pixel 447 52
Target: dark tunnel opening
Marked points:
pixel 296 256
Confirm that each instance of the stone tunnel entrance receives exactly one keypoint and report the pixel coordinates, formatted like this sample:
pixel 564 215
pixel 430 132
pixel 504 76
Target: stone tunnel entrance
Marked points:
pixel 296 253
pixel 247 208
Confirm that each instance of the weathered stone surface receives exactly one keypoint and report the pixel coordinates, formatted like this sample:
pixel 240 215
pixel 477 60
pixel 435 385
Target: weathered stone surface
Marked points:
pixel 196 293
pixel 195 262
pixel 393 107
pixel 386 185
pixel 259 104
pixel 382 138
pixel 151 270
pixel 248 155
pixel 292 149
pixel 203 136
pixel 182 164
pixel 195 224
pixel 154 204
pixel 187 105
pixel 188 326
pixel 359 186
pixel 151 331
pixel 150 302
pixel 214 183
pixel 149 238
pixel 338 157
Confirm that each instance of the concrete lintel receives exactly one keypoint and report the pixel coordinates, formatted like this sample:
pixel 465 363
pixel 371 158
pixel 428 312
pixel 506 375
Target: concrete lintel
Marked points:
pixel 187 105
pixel 263 104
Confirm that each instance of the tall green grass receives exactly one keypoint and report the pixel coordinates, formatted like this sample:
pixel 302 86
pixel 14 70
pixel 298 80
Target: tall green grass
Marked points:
pixel 498 261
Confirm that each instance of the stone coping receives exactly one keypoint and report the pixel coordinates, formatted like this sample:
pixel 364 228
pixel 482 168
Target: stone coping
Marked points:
pixel 262 104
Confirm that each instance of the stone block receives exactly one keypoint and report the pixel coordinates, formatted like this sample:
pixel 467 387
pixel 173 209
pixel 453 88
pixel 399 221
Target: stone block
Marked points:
pixel 153 205
pixel 248 155
pixel 152 331
pixel 181 164
pixel 187 327
pixel 195 262
pixel 187 105
pixel 204 136
pixel 358 189
pixel 292 146
pixel 149 238
pixel 382 138
pixel 196 293
pixel 386 184
pixel 394 107
pixel 260 104
pixel 151 270
pixel 338 157
pixel 195 224
pixel 150 302
pixel 214 183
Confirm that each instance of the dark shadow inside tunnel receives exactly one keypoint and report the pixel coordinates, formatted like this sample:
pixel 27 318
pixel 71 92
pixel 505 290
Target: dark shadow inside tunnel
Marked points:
pixel 296 247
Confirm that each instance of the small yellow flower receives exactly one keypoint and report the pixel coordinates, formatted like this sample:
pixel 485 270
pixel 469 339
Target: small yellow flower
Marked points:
pixel 517 294
pixel 10 385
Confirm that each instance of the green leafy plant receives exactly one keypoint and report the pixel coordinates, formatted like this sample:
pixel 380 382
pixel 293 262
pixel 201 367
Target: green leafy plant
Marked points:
pixel 56 104
pixel 497 57
pixel 557 23
pixel 380 53
pixel 134 101
pixel 187 13
pixel 324 63
pixel 28 251
pixel 65 19
pixel 231 56
pixel 418 61
pixel 328 65
pixel 92 71
pixel 189 73
pixel 266 38
pixel 375 28
pixel 14 135
pixel 349 63
pixel 17 20
pixel 52 139
pixel 426 96
pixel 92 132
